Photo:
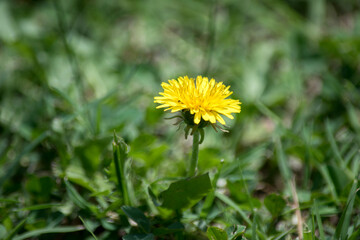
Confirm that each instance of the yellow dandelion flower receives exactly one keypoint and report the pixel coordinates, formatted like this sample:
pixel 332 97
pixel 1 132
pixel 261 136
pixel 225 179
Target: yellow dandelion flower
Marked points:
pixel 203 99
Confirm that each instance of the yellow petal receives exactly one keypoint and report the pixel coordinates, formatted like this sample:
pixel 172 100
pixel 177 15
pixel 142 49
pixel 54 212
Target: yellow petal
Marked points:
pixel 197 118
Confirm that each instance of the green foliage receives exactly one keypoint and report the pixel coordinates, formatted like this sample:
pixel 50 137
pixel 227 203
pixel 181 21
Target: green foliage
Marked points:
pixel 235 232
pixel 72 73
pixel 137 216
pixel 185 193
pixel 215 233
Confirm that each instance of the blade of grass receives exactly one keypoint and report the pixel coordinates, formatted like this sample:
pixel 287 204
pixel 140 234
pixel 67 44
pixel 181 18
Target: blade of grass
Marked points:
pixel 40 206
pixel 306 134
pixel 319 222
pixel 344 222
pixel 326 175
pixel 15 230
pixel 338 158
pixel 356 165
pixel 232 204
pixel 39 232
pixel 98 119
pixel 253 229
pixel 8 200
pixel 355 235
pixel 283 165
pixel 353 118
pixel 282 235
pixel 77 199
pixel 333 144
pixel 267 112
pixel 351 154
pixel 248 196
pixel 88 228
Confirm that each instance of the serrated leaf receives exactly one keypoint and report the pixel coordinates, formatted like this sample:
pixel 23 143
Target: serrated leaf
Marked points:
pixel 185 193
pixel 215 233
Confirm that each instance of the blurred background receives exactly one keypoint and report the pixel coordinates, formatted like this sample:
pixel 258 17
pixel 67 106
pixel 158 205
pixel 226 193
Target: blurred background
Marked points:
pixel 72 72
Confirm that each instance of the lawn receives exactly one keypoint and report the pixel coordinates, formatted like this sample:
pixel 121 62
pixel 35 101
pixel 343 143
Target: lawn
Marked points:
pixel 86 154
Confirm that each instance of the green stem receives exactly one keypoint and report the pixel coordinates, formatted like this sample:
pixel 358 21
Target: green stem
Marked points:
pixel 119 161
pixel 195 154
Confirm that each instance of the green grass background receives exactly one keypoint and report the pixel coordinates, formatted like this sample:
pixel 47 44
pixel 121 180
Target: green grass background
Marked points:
pixel 72 72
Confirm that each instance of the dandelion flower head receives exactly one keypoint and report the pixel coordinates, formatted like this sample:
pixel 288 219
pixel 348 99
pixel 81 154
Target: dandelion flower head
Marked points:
pixel 205 100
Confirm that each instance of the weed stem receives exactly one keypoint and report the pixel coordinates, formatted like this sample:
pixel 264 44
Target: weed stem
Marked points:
pixel 195 153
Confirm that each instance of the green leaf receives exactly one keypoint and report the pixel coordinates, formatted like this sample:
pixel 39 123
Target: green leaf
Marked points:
pixel 137 216
pixel 186 193
pixel 215 233
pixel 236 231
pixel 275 204
pixel 307 234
